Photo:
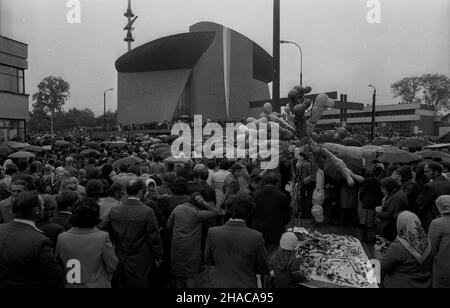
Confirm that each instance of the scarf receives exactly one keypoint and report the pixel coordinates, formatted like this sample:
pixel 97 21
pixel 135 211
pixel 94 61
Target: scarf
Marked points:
pixel 412 236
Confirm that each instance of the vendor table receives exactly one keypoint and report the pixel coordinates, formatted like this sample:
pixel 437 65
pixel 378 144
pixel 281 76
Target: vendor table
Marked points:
pixel 333 261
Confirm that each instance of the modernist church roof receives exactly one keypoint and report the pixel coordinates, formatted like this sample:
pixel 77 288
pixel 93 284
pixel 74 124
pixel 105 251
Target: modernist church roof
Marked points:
pixel 182 51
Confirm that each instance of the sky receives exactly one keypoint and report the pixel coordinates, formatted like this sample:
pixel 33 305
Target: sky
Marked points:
pixel 341 50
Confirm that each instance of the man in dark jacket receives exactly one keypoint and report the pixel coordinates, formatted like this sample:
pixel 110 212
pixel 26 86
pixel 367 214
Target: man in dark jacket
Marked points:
pixel 26 255
pixel 235 251
pixel 199 185
pixel 17 187
pixel 271 214
pixel 438 186
pixel 66 200
pixel 135 232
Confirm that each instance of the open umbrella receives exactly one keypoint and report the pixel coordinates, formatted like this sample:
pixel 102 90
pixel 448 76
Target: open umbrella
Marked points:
pixel 374 148
pixel 22 154
pixel 160 145
pixel 382 141
pixel 91 144
pixel 176 160
pixel 351 142
pixel 17 145
pixel 166 154
pixel 128 161
pixel 62 144
pixel 413 143
pixel 34 148
pixel 434 154
pixel 397 156
pixel 117 144
pixel 89 151
pixel 5 150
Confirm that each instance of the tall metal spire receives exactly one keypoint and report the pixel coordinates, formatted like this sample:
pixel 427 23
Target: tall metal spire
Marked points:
pixel 129 27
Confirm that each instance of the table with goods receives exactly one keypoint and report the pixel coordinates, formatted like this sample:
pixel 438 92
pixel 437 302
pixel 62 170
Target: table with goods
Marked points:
pixel 334 261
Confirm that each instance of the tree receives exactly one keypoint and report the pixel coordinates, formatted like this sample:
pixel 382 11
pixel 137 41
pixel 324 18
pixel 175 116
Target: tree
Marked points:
pixel 436 89
pixel 407 89
pixel 52 95
pixel 84 117
pixel 38 121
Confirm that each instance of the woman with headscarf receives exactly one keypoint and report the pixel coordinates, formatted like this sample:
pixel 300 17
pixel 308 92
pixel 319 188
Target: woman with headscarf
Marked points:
pixel 439 235
pixel 394 202
pixel 285 267
pixel 408 261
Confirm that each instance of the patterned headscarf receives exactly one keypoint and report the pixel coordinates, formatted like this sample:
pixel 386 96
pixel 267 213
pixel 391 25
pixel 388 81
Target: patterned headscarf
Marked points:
pixel 412 236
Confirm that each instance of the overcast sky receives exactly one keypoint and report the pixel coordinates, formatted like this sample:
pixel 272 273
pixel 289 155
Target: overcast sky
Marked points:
pixel 341 50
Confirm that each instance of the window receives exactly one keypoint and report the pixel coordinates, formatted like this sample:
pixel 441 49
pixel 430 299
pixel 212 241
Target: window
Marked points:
pixel 12 129
pixel 12 79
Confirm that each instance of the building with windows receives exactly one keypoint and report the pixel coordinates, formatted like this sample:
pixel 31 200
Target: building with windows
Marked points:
pixel 402 119
pixel 211 71
pixel 13 100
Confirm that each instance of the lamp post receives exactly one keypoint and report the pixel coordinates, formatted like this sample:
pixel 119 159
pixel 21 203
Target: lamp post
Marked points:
pixel 104 107
pixel 301 58
pixel 372 130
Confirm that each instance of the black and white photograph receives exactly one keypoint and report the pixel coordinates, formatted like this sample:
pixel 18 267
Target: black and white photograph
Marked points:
pixel 222 150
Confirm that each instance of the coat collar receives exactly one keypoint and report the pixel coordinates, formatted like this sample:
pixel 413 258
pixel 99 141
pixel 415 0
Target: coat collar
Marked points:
pixel 235 223
pixel 82 230
pixel 129 201
pixel 26 225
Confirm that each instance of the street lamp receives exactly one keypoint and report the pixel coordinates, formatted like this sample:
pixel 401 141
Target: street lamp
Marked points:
pixel 104 107
pixel 301 58
pixel 372 131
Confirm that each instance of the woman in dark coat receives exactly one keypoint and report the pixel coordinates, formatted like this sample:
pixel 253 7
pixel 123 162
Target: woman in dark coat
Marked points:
pixel 420 177
pixel 394 202
pixel 408 261
pixel 370 197
pixel 439 235
pixel 106 177
pixel 409 186
pixel 284 266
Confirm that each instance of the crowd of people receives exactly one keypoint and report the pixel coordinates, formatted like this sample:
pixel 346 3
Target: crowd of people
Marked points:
pixel 154 223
